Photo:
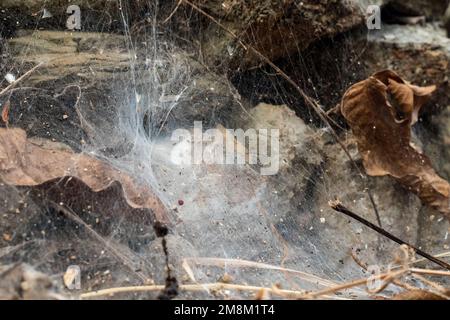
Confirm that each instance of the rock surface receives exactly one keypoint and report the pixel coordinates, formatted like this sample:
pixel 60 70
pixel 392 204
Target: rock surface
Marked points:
pixel 266 25
pixel 433 9
pixel 419 54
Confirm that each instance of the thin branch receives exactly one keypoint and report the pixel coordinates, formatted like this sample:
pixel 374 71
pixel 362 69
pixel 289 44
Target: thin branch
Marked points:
pixel 16 82
pixel 348 285
pixel 196 287
pixel 440 290
pixel 186 287
pixel 337 206
pixel 237 263
pixel 114 251
pixel 375 208
pixel 173 12
pixel 395 281
pixel 430 272
pixel 387 277
pixel 439 255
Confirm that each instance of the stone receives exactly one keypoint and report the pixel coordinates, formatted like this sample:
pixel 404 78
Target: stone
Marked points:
pixel 275 30
pixel 432 9
pixel 420 54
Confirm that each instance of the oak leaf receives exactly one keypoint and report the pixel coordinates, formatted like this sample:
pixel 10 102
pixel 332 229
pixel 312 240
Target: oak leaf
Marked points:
pixel 380 111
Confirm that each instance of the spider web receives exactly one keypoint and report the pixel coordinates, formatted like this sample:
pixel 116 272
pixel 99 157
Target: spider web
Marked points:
pixel 227 223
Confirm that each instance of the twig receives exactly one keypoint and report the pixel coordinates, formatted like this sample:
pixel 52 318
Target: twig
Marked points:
pixel 173 12
pixel 293 294
pixel 397 282
pixel 337 206
pixel 430 272
pixel 355 283
pixel 250 264
pixel 16 82
pixel 391 278
pixel 439 255
pixel 374 205
pixel 122 257
pixel 186 287
pixel 441 291
pixel 195 287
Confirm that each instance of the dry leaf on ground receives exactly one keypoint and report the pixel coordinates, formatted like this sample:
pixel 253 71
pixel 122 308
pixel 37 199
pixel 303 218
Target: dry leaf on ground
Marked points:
pixel 30 162
pixel 380 111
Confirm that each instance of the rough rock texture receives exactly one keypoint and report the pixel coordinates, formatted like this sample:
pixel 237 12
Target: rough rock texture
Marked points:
pixel 82 57
pixel 419 54
pixel 299 151
pixel 433 9
pixel 266 25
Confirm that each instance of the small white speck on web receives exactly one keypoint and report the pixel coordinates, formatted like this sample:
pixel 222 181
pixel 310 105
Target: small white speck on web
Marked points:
pixel 322 220
pixel 446 236
pixel 10 77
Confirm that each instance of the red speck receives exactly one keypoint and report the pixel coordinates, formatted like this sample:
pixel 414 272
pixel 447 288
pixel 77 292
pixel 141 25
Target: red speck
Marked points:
pixel 180 202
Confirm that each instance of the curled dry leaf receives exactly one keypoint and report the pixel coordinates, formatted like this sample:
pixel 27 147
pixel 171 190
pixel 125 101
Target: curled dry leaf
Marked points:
pixel 380 111
pixel 31 162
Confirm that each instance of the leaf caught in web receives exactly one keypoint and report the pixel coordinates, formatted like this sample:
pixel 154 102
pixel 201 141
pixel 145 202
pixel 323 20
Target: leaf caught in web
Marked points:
pixel 380 111
pixel 31 162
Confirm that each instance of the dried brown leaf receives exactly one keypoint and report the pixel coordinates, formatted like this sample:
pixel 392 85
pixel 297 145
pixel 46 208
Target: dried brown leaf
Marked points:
pixel 5 112
pixel 380 111
pixel 30 162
